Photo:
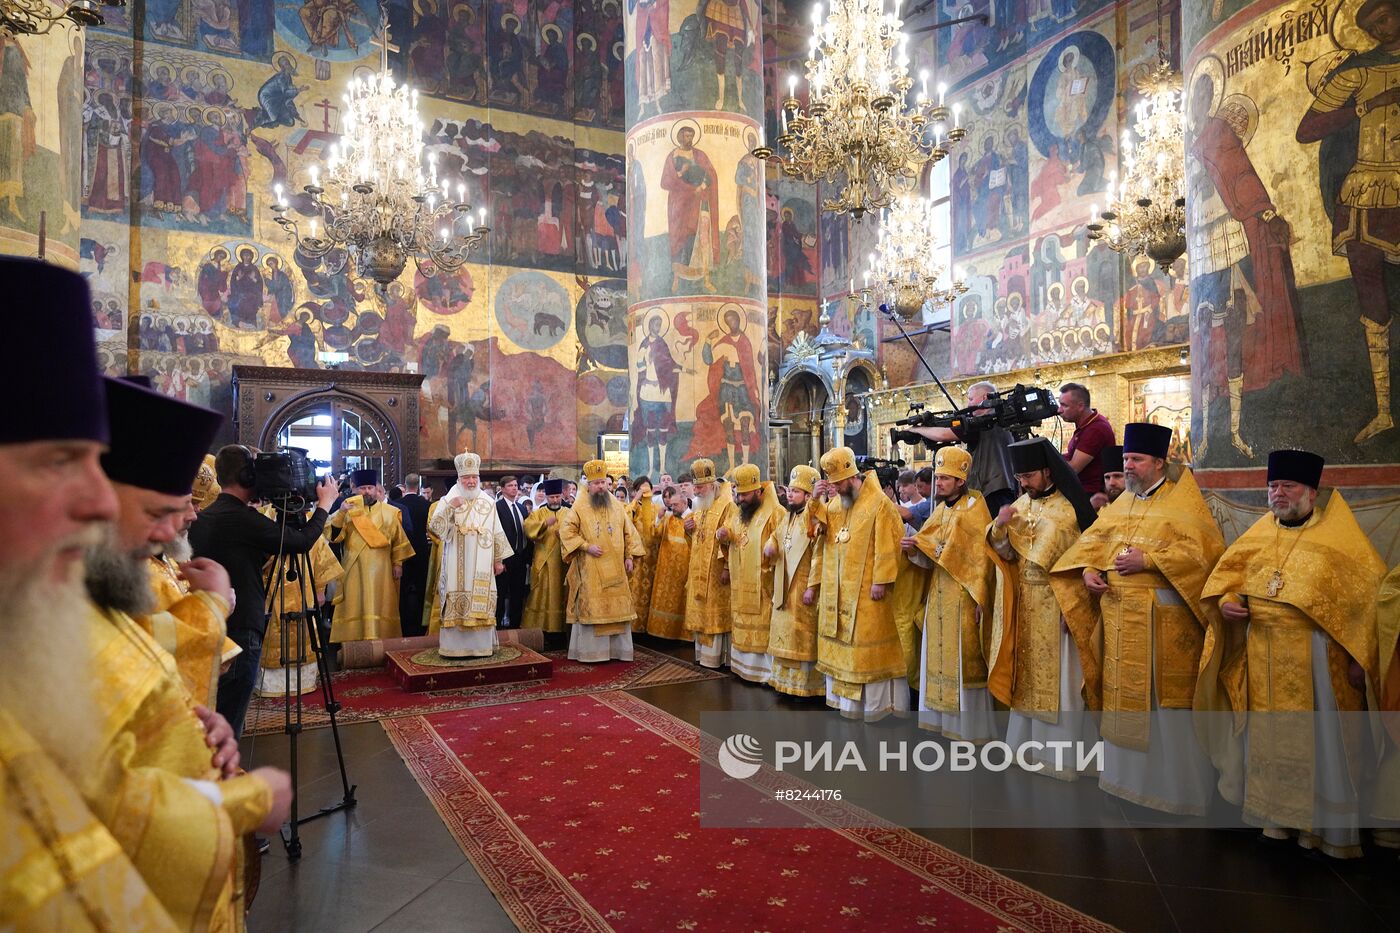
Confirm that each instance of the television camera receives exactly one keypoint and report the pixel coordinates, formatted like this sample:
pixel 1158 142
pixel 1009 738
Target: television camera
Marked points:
pixel 1018 410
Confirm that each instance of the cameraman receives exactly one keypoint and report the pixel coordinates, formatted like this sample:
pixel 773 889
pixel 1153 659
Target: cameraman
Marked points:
pixel 240 538
pixel 991 472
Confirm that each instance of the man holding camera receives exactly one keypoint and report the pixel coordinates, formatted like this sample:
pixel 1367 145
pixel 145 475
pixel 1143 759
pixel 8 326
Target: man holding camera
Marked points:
pixel 237 536
pixel 990 471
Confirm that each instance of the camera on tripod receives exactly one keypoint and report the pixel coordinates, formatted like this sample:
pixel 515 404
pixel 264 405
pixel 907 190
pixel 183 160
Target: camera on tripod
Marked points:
pixel 286 478
pixel 1018 410
pixel 886 471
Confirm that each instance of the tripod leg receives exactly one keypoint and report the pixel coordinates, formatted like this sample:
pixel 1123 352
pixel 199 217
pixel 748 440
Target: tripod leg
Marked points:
pixel 323 666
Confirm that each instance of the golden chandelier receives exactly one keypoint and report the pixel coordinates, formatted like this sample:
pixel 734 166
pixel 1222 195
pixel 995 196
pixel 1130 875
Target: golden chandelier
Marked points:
pixel 857 126
pixel 37 17
pixel 904 272
pixel 382 207
pixel 1146 213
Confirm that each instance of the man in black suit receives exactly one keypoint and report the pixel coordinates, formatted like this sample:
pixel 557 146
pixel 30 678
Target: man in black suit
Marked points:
pixel 510 586
pixel 413 588
pixel 234 534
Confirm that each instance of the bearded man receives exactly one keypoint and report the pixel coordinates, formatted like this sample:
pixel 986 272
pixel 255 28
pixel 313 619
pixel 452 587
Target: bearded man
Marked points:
pixel 666 619
pixel 544 608
pixel 1297 648
pixel 854 567
pixel 600 546
pixel 375 546
pixel 956 620
pixel 469 553
pixel 707 615
pixel 57 503
pixel 155 743
pixel 751 523
pixel 792 632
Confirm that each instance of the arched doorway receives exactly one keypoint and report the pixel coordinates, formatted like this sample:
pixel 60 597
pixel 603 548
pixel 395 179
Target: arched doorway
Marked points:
pixel 345 420
pixel 802 403
pixel 337 432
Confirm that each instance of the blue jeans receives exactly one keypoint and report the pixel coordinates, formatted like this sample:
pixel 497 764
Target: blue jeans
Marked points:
pixel 236 687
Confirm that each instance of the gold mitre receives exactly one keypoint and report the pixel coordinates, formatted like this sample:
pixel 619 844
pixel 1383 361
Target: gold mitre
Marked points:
pixel 702 471
pixel 804 478
pixel 594 469
pixel 746 478
pixel 206 484
pixel 468 464
pixel 952 461
pixel 839 463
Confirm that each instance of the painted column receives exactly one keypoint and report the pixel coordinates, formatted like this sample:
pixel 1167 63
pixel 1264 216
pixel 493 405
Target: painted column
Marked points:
pixel 1293 228
pixel 698 315
pixel 41 140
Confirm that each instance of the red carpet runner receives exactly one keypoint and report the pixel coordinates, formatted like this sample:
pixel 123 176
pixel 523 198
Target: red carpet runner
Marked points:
pixel 582 814
pixel 372 694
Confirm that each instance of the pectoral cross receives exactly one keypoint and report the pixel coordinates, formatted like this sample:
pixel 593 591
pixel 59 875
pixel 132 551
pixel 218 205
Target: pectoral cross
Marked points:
pixel 1275 584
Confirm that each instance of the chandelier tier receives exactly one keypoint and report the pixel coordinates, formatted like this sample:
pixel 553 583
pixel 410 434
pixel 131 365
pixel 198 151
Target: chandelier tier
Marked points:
pixel 904 273
pixel 857 126
pixel 37 17
pixel 1146 212
pixel 378 203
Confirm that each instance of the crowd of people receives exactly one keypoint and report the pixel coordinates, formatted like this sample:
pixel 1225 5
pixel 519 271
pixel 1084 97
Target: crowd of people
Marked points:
pixel 136 568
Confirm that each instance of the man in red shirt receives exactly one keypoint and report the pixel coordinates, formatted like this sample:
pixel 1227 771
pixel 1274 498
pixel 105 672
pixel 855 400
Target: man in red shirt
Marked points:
pixel 1092 433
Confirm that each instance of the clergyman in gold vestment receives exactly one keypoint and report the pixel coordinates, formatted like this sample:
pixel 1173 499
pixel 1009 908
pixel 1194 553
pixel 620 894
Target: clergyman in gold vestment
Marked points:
pixel 792 631
pixel 1033 663
pixel 853 570
pixel 60 868
pixel 544 607
pixel 374 547
pixel 751 522
pixel 707 616
pixel 1297 647
pixel 469 552
pixel 644 513
pixel 178 812
pixel 955 621
pixel 600 545
pixel 666 616
pixel 1130 589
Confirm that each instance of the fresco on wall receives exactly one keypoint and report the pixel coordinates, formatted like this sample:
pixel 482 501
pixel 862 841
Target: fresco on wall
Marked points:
pixel 706 59
pixel 694 385
pixel 1286 234
pixel 41 102
pixel 217 284
pixel 972 49
pixel 1071 113
pixel 989 174
pixel 691 223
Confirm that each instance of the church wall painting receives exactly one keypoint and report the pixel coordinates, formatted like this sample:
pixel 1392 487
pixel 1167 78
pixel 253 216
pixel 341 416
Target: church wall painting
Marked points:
pixel 989 172
pixel 691 227
pixel 695 382
pixel 279 114
pixel 972 49
pixel 41 102
pixel 703 58
pixel 1290 298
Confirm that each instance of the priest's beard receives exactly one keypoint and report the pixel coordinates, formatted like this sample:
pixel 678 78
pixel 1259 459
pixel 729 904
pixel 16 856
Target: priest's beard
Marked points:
pixel 848 500
pixel 1292 513
pixel 118 579
pixel 794 508
pixel 1138 486
pixel 747 510
pixel 180 550
pixel 470 494
pixel 599 499
pixel 702 503
pixel 49 667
